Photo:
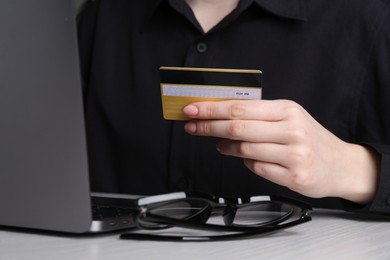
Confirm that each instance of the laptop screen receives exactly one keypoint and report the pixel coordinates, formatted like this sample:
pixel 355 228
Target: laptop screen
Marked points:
pixel 44 180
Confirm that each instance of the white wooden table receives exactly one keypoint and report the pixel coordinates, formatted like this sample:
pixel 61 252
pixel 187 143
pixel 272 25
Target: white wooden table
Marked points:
pixel 330 235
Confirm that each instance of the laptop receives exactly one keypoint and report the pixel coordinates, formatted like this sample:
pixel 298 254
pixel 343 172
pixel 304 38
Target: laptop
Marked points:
pixel 44 179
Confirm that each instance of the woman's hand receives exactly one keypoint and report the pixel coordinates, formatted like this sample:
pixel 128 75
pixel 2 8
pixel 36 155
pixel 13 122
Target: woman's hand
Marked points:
pixel 281 142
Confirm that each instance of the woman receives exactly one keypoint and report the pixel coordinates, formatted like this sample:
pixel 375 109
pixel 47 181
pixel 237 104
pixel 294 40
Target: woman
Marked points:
pixel 321 130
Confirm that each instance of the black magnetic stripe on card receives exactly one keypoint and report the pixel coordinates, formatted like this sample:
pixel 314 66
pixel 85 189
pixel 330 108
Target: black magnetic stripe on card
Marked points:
pixel 217 78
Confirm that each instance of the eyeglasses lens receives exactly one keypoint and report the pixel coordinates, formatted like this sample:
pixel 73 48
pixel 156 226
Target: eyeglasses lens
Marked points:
pixel 255 214
pixel 193 211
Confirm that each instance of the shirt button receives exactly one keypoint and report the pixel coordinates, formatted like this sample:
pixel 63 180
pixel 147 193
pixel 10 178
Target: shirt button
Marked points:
pixel 201 47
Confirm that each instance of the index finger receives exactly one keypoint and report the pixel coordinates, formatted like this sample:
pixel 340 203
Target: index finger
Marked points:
pixel 265 110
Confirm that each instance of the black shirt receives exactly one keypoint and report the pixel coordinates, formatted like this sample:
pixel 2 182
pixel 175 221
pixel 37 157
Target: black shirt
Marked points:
pixel 331 58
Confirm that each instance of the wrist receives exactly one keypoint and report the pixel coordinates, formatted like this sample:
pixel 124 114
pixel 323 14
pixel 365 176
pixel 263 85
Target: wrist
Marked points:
pixel 360 181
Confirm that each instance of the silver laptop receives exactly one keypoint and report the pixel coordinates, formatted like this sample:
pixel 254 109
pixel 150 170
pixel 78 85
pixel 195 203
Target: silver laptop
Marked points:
pixel 44 180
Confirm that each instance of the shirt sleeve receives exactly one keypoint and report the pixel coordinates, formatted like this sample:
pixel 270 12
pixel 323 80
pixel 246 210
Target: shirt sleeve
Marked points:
pixel 373 115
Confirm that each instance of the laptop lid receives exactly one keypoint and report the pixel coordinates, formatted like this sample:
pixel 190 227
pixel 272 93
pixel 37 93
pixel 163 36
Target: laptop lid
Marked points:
pixel 44 180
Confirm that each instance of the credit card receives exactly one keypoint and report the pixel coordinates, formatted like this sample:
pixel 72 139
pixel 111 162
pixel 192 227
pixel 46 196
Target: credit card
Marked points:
pixel 181 86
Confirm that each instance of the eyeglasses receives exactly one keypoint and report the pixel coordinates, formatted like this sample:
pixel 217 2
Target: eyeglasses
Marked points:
pixel 226 218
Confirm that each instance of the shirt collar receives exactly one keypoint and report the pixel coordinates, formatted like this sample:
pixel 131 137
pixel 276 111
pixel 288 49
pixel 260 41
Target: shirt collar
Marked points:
pixel 291 9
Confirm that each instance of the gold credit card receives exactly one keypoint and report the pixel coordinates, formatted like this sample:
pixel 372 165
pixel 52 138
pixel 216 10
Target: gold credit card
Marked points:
pixel 181 86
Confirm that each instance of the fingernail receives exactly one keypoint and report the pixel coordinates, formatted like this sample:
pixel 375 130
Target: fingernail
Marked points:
pixel 190 127
pixel 218 147
pixel 191 110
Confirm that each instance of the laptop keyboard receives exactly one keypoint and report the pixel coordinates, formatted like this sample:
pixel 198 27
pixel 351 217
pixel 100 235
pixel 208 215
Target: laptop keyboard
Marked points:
pixel 101 212
pixel 107 208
